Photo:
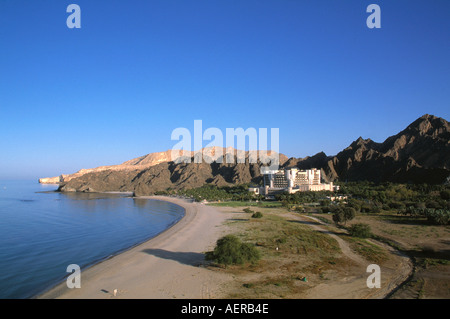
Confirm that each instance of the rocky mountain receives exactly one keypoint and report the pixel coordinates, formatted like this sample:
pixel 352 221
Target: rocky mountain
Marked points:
pixel 419 154
pixel 139 163
pixel 157 172
pixel 142 163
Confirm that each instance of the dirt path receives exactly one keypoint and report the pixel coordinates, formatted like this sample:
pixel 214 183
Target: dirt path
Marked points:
pixel 393 272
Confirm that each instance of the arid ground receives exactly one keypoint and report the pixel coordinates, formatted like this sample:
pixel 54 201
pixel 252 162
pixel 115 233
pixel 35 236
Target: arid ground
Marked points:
pixel 307 256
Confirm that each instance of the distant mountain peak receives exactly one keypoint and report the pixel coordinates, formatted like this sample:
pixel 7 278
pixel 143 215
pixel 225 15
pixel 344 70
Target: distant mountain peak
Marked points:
pixel 427 124
pixel 428 117
pixel 360 142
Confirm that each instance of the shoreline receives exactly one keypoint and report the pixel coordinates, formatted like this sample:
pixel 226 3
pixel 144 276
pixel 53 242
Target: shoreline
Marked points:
pixel 94 263
pixel 171 265
pixel 155 267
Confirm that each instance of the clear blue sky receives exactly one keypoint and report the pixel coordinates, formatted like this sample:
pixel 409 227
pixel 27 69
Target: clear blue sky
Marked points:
pixel 136 70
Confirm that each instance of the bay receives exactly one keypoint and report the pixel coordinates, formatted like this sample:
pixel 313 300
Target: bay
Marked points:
pixel 43 231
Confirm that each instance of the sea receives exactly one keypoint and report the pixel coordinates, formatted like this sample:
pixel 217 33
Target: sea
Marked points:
pixel 42 232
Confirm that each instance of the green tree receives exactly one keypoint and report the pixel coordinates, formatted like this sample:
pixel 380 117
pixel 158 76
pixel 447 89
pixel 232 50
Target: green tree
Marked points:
pixel 338 217
pixel 343 214
pixel 349 213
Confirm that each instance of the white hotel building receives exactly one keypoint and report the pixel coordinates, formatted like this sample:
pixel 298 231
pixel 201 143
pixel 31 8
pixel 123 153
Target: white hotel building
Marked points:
pixel 292 180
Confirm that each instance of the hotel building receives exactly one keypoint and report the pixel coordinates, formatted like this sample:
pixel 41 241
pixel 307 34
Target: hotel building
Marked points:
pixel 292 180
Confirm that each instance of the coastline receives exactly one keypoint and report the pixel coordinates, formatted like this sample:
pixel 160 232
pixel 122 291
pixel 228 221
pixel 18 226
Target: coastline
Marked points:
pixel 165 266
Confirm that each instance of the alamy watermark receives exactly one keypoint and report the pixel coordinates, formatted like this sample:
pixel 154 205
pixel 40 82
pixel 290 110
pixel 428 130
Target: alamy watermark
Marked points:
pixel 74 19
pixel 191 145
pixel 74 279
pixel 374 279
pixel 374 19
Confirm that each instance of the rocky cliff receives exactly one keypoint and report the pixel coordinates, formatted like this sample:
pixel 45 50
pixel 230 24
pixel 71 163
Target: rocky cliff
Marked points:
pixel 139 163
pixel 166 175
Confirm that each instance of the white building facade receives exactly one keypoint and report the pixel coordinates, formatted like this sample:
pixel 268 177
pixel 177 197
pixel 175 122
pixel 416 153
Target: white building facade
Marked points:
pixel 293 180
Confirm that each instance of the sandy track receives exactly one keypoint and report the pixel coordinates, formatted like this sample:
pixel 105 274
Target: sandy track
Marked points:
pixel 354 286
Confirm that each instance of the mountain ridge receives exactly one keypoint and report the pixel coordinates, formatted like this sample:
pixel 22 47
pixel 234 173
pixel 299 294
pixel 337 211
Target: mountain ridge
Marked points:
pixel 420 153
pixel 422 146
pixel 148 160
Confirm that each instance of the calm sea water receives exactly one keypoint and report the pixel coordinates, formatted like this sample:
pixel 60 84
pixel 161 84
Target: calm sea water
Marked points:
pixel 42 232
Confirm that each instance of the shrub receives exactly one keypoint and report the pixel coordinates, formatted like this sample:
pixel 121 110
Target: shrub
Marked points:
pixel 247 210
pixel 356 204
pixel 366 208
pixel 375 209
pixel 349 213
pixel 396 205
pixel 433 204
pixel 324 202
pixel 342 215
pixel 299 209
pixel 445 194
pixel 230 250
pixel 257 215
pixel 438 216
pixel 338 217
pixel 420 205
pixel 360 230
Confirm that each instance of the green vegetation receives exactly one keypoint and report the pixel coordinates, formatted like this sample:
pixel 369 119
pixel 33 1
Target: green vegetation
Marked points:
pixel 366 249
pixel 257 215
pixel 290 252
pixel 212 192
pixel 289 236
pixel 360 230
pixel 427 203
pixel 343 214
pixel 434 216
pixel 390 196
pixel 290 200
pixel 230 250
pixel 230 203
pixel 254 214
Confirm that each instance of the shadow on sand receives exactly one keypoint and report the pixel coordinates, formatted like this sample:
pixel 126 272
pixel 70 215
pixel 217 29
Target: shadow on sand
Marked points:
pixel 186 258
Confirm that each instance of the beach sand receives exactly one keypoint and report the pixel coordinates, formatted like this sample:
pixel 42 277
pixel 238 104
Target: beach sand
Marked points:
pixel 171 265
pixel 167 266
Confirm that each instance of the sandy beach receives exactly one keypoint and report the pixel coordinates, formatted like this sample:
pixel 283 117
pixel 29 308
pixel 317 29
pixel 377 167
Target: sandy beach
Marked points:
pixel 171 265
pixel 167 266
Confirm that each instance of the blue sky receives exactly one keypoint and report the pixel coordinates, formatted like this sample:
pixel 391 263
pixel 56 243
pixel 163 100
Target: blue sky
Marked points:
pixel 136 70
